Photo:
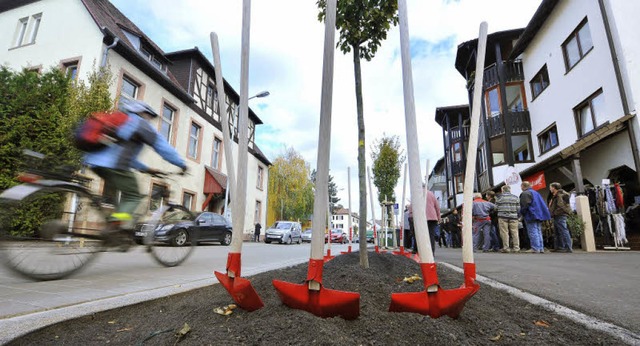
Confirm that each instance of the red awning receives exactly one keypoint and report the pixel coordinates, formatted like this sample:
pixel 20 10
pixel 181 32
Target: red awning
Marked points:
pixel 214 181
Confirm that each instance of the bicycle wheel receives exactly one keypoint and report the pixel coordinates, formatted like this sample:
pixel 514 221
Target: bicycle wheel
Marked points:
pixel 163 245
pixel 50 233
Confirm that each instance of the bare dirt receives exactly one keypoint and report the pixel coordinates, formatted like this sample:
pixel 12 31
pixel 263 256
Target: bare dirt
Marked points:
pixel 491 317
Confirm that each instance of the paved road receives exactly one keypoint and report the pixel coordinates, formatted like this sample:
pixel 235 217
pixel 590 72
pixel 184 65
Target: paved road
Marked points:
pixel 602 285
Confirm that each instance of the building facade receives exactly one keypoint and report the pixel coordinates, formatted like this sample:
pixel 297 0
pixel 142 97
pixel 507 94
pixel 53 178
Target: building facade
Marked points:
pixel 180 86
pixel 558 105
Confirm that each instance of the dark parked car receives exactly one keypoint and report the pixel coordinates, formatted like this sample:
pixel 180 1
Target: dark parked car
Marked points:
pixel 369 236
pixel 179 228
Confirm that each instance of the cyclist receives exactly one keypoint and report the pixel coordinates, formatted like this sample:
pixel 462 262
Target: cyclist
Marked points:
pixel 114 162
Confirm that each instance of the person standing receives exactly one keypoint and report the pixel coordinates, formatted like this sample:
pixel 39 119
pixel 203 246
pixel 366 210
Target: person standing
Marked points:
pixel 507 205
pixel 454 228
pixel 256 232
pixel 560 209
pixel 534 210
pixel 406 237
pixel 481 211
pixel 495 239
pixel 433 217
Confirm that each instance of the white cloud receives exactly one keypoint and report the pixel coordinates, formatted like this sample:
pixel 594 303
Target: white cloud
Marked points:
pixel 286 59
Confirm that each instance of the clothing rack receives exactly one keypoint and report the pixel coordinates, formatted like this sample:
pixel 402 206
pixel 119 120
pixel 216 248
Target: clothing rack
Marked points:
pixel 615 219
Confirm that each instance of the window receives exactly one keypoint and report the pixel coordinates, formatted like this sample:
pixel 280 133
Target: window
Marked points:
pixel 493 102
pixel 515 102
pixel 539 82
pixel 577 45
pixel 457 152
pixel 211 91
pixel 459 181
pixel 521 148
pixel 260 177
pixel 156 200
pixel 71 70
pixel 187 200
pixel 34 27
pixel 166 121
pixel 257 215
pixel 482 158
pixel 21 30
pixel 497 151
pixel 194 138
pixel 110 195
pixel 129 88
pixel 589 114
pixel 548 139
pixel 215 157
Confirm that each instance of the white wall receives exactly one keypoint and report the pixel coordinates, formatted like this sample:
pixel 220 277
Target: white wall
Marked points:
pixel 597 161
pixel 568 89
pixel 58 37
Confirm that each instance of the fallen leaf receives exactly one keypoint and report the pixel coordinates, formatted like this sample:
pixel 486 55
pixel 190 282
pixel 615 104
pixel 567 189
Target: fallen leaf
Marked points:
pixel 497 337
pixel 185 329
pixel 112 322
pixel 219 311
pixel 123 330
pixel 542 323
pixel 232 306
pixel 523 334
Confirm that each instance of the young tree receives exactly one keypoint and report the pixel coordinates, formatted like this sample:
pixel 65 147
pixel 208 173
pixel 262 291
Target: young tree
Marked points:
pixel 387 161
pixel 290 187
pixel 362 25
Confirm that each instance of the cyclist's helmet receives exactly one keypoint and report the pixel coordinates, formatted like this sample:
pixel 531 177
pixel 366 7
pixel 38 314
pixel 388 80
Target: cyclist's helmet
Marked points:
pixel 136 106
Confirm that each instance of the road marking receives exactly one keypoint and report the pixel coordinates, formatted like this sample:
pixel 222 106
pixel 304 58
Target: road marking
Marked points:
pixel 576 316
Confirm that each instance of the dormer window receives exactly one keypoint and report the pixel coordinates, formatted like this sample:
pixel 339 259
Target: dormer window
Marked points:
pixel 152 58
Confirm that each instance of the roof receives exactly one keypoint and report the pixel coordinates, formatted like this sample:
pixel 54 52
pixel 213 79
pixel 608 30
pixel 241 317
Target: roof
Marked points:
pixel 536 22
pixel 6 5
pixel 442 112
pixel 466 54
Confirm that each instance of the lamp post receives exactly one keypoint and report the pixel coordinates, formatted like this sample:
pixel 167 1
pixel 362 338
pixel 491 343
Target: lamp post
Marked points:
pixel 260 94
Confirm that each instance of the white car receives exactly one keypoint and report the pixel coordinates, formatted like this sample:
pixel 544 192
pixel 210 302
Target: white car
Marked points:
pixel 284 232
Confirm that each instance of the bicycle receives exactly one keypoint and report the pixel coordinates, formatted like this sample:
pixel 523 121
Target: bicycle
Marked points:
pixel 71 233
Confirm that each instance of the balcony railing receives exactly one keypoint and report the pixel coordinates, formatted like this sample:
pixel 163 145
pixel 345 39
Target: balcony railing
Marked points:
pixel 513 73
pixel 520 122
pixel 458 133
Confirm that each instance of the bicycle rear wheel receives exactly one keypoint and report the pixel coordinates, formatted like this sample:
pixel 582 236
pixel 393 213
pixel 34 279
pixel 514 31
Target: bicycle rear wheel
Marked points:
pixel 50 233
pixel 162 243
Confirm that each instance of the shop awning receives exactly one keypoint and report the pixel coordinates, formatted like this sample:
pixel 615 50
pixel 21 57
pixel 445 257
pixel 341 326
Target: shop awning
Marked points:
pixel 214 181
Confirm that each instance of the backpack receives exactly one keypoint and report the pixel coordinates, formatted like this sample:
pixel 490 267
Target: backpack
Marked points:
pixel 99 130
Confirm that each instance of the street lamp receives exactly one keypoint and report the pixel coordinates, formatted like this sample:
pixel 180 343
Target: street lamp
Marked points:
pixel 261 94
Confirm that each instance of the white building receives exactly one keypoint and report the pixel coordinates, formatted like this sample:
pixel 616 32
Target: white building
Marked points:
pixel 340 219
pixel 558 103
pixel 80 35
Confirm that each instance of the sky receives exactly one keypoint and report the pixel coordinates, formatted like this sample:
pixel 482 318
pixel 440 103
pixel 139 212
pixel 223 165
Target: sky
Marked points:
pixel 286 52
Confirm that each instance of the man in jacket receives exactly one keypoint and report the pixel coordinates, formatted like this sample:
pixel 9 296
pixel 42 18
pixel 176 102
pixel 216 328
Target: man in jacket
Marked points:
pixel 114 162
pixel 481 212
pixel 507 205
pixel 560 209
pixel 534 210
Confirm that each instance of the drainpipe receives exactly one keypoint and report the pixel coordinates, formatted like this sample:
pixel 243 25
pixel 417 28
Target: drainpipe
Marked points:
pixel 103 63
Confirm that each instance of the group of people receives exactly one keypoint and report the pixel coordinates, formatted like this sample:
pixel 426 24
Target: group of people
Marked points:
pixel 506 209
pixel 433 223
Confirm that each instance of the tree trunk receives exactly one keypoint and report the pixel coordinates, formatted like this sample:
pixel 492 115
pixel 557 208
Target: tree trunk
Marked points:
pixel 362 182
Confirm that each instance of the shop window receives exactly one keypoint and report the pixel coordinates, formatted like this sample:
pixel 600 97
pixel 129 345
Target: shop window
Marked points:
pixel 521 148
pixel 577 45
pixel 548 139
pixel 589 114
pixel 156 200
pixel 539 82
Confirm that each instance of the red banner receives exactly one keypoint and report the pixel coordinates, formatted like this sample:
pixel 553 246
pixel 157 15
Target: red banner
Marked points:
pixel 537 180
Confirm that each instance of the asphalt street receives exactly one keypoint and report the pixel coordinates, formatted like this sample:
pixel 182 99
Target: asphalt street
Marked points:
pixel 602 285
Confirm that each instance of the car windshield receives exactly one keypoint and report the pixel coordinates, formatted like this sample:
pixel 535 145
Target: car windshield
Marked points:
pixel 282 225
pixel 336 231
pixel 307 231
pixel 176 215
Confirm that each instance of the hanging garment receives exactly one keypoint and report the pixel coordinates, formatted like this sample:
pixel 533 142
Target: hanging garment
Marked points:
pixel 572 201
pixel 610 204
pixel 619 196
pixel 621 234
pixel 600 203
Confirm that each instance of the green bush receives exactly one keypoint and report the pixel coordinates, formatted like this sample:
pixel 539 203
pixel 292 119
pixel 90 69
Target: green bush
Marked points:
pixel 575 225
pixel 39 111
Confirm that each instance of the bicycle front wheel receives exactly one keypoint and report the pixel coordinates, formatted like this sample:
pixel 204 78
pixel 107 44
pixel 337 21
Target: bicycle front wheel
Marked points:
pixel 171 235
pixel 49 234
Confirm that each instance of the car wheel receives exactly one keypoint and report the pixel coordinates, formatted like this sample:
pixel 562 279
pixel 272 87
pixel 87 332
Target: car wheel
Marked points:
pixel 181 238
pixel 267 242
pixel 299 240
pixel 289 241
pixel 227 239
